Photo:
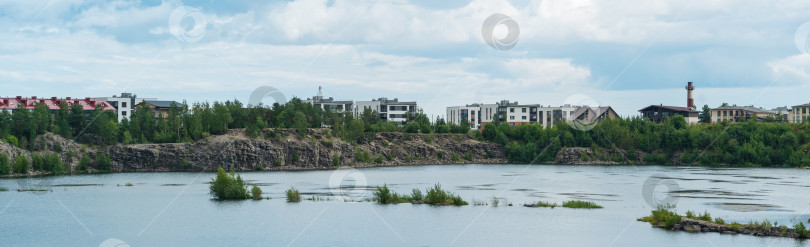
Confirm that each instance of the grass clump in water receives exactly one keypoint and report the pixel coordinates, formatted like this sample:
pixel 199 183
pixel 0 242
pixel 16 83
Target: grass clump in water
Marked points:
pixel 580 204
pixel 293 195
pixel 546 204
pixel 434 196
pixel 663 216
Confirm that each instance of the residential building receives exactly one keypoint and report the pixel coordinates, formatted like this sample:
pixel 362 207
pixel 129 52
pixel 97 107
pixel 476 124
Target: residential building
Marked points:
pixel 391 110
pixel 586 114
pixel 782 112
pixel 330 103
pixel 800 113
pixel 53 103
pixel 736 113
pixel 514 114
pixel 551 115
pixel 124 104
pixel 657 113
pixel 472 113
pixel 159 108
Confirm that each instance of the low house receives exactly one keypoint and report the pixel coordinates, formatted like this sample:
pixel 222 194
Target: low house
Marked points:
pixel 736 113
pixel 160 108
pixel 588 114
pixel 657 113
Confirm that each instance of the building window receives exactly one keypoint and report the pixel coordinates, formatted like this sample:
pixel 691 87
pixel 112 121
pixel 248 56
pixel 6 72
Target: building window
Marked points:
pixel 512 117
pixel 524 109
pixel 511 109
pixel 524 117
pixel 124 104
pixel 123 113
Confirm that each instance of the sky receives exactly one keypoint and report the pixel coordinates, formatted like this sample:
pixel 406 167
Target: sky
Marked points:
pixel 625 54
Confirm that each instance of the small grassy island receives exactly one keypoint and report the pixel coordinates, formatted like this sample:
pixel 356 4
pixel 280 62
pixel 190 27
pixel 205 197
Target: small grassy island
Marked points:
pixel 231 187
pixel 665 217
pixel 434 196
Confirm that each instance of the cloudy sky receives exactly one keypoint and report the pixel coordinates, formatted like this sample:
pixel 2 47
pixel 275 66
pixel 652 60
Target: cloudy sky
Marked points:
pixel 626 54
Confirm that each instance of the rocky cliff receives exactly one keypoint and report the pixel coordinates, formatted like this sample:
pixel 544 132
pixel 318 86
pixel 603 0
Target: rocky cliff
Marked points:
pixel 275 150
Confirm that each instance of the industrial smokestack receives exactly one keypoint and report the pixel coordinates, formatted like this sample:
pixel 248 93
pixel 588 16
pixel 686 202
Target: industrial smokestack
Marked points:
pixel 690 102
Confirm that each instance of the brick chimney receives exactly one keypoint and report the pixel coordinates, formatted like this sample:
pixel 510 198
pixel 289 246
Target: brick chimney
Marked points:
pixel 690 102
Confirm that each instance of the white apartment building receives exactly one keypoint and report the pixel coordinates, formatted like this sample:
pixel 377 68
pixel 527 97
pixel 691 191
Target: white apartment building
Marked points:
pixel 330 103
pixel 389 109
pixel 472 113
pixel 124 104
pixel 513 113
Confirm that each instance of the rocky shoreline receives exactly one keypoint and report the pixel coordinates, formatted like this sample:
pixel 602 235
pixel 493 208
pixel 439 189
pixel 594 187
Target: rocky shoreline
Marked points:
pixel 282 149
pixel 696 226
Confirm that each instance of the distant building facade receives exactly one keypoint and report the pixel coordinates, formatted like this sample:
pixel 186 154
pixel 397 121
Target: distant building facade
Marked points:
pixel 390 110
pixel 657 113
pixel 799 113
pixel 159 108
pixel 53 103
pixel 124 104
pixel 736 113
pixel 514 114
pixel 319 101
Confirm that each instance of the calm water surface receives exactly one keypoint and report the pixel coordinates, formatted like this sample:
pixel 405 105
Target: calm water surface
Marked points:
pixel 175 209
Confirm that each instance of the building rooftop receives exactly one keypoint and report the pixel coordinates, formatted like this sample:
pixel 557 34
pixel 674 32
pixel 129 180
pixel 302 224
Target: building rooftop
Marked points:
pixel 395 101
pixel 163 103
pixel 671 108
pixel 750 108
pixel 53 103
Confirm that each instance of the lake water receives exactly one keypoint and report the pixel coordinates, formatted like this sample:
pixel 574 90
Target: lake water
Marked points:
pixel 175 209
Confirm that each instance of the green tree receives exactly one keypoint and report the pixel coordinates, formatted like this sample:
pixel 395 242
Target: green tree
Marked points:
pixel 300 123
pixel 21 165
pixel 228 186
pixel 42 118
pixel 705 114
pixel 84 163
pixel 5 167
pixel 62 121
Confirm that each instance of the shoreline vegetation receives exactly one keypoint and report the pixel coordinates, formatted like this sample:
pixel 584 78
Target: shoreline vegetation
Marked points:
pixel 296 135
pixel 665 217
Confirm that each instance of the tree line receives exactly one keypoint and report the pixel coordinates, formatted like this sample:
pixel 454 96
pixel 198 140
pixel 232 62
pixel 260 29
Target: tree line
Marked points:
pixel 184 123
pixel 743 143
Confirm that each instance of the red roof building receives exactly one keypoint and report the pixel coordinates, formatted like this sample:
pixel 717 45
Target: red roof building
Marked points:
pixel 53 103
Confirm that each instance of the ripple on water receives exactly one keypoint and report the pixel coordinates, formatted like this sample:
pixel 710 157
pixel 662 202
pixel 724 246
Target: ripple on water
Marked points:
pixel 746 207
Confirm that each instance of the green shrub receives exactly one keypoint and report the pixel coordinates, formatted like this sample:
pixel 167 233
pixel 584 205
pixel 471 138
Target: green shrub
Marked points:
pixel 84 163
pixel 379 159
pixel 362 156
pixel 383 195
pixel 663 217
pixel 454 157
pixel 21 164
pixel 705 216
pixel 293 195
pixel 258 167
pixel 580 204
pixel 13 140
pixel 54 163
pixel 228 186
pixel 5 167
pixel 655 159
pixel 256 193
pixel 103 162
pixel 438 196
pixel 416 195
pixel 800 229
pixel 468 156
pixel 546 204
pixel 440 155
pixel 719 220
pixel 335 160
pixel 389 157
pixel 37 162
